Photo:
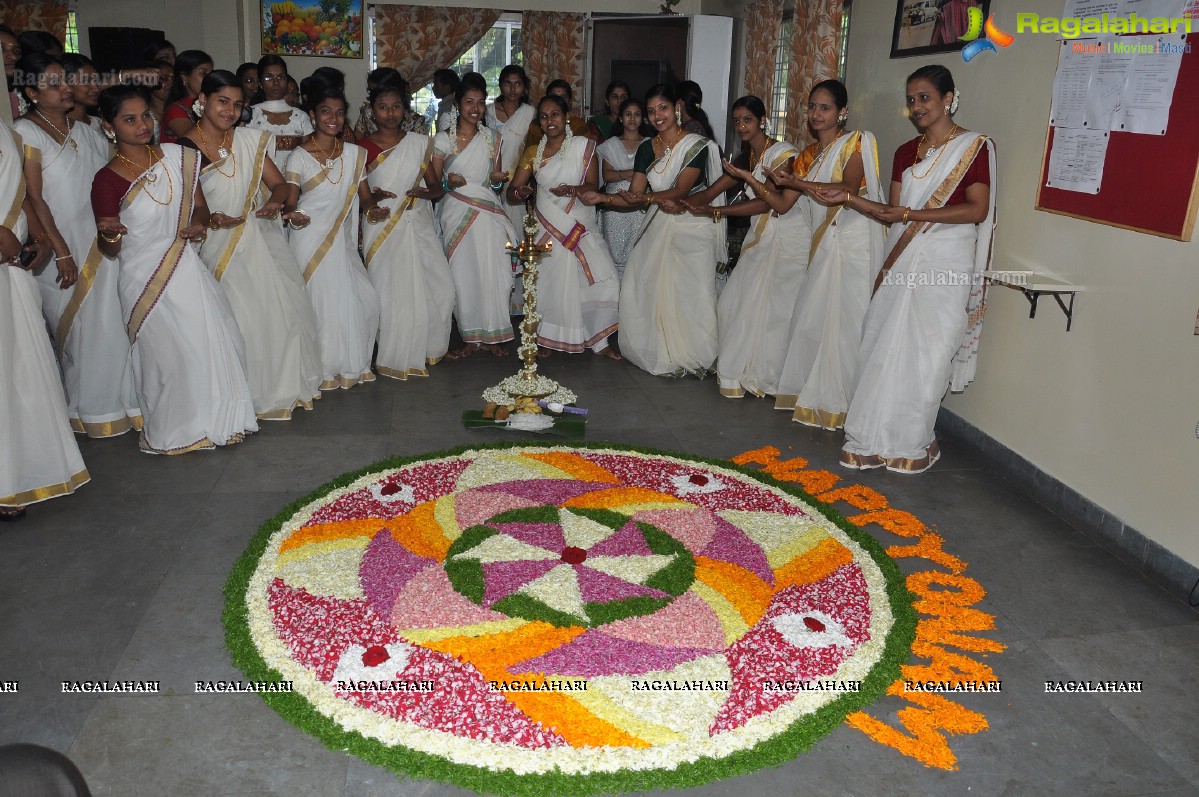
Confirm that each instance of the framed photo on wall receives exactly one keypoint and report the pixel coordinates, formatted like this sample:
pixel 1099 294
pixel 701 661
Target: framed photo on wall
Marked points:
pixel 932 26
pixel 328 28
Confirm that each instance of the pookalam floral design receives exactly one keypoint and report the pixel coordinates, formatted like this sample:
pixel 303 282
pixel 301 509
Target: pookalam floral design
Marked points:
pixel 588 617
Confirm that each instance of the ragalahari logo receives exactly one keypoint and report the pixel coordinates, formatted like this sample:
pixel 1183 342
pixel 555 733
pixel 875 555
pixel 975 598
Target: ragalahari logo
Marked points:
pixel 995 36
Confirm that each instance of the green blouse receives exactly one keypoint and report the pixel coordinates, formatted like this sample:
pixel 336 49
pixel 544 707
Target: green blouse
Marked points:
pixel 645 158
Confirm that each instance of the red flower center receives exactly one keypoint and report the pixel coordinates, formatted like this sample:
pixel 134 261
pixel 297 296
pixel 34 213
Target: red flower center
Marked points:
pixel 698 480
pixel 573 556
pixel 391 488
pixel 375 655
pixel 813 624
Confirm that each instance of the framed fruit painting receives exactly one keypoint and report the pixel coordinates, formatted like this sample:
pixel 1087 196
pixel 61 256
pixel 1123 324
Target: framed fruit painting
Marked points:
pixel 328 28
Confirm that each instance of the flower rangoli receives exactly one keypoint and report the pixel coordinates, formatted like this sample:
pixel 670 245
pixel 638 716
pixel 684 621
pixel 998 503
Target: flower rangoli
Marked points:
pixel 587 617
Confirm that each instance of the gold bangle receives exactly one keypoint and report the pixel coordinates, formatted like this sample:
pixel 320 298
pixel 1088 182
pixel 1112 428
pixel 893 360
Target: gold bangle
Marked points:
pixel 848 200
pixel 213 224
pixel 107 240
pixel 715 216
pixel 906 211
pixel 649 198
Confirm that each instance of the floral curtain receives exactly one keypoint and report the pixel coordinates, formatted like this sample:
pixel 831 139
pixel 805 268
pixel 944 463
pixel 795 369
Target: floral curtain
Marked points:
pixel 815 53
pixel 23 15
pixel 553 43
pixel 762 22
pixel 419 40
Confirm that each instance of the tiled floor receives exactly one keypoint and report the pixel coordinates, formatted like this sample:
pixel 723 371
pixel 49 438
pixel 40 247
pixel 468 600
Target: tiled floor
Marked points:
pixel 124 579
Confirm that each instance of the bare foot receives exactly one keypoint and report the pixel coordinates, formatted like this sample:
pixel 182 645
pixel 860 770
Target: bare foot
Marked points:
pixel 497 350
pixel 464 352
pixel 543 353
pixel 11 513
pixel 610 352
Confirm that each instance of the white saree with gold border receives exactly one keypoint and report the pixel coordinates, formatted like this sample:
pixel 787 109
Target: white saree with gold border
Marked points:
pixel 346 304
pixel 259 274
pixel 577 286
pixel 85 320
pixel 668 292
pixel 39 458
pixel 755 307
pixel 407 266
pixel 922 326
pixel 188 353
pixel 846 246
pixel 475 230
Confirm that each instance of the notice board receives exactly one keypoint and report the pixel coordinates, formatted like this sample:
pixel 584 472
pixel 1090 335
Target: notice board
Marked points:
pixel 1150 183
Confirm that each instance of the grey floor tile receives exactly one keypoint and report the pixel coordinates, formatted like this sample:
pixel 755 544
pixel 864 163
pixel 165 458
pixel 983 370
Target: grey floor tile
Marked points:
pixel 223 528
pixel 1051 589
pixel 365 780
pixel 180 639
pixel 210 745
pixel 118 467
pixel 41 714
pixel 1167 661
pixel 300 463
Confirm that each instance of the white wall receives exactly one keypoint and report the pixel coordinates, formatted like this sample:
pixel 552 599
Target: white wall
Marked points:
pixel 1110 407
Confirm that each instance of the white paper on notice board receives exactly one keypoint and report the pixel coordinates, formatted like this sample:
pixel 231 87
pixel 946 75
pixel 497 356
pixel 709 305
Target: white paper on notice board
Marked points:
pixel 1076 160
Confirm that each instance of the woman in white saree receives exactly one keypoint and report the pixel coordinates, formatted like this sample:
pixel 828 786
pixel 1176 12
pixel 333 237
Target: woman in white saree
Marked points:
pixel 324 237
pixel 248 255
pixel 668 292
pixel 818 369
pixel 188 354
pixel 510 116
pixel 577 288
pixel 474 226
pixel 39 458
pixel 404 258
pixel 755 307
pixel 79 291
pixel 923 324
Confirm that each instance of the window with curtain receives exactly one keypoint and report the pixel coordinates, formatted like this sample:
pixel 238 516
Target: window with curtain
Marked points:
pixel 778 99
pixel 778 103
pixel 499 47
pixel 845 9
pixel 70 41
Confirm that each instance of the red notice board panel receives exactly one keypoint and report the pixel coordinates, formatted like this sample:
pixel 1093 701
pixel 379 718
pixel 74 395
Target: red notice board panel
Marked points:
pixel 1150 183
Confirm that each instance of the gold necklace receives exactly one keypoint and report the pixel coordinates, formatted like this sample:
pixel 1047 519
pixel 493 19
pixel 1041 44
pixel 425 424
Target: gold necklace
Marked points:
pixel 753 164
pixel 938 149
pixel 819 159
pixel 222 152
pixel 329 160
pixel 66 137
pixel 668 152
pixel 149 179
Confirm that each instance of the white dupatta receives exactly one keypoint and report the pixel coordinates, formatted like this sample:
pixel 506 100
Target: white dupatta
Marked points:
pixel 512 134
